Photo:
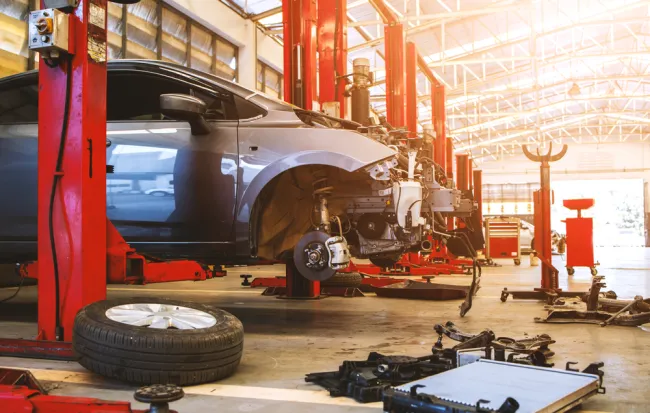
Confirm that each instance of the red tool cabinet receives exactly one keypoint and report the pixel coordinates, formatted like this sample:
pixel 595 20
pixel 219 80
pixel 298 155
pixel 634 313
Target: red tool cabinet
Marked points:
pixel 502 239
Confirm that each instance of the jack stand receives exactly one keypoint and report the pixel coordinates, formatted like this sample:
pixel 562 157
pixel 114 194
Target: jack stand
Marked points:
pixel 299 287
pixel 550 288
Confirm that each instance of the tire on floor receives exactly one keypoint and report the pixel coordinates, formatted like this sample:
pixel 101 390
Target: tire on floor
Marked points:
pixel 351 279
pixel 145 355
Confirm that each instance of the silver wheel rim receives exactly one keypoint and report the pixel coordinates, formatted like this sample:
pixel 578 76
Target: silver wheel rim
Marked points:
pixel 161 316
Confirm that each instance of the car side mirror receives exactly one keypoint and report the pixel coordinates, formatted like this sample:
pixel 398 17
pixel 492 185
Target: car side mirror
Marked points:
pixel 187 108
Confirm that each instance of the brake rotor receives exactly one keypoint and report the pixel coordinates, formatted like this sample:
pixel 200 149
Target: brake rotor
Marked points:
pixel 371 226
pixel 311 256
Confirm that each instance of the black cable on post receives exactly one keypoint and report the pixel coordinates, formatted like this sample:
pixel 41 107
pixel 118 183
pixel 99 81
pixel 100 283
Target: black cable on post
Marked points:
pixel 55 182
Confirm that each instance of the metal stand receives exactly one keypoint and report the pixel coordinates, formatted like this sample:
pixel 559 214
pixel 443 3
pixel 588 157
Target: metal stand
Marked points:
pixel 549 288
pixel 299 287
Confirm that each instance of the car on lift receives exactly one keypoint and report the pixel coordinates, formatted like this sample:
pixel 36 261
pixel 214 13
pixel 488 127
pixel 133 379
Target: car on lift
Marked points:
pixel 246 177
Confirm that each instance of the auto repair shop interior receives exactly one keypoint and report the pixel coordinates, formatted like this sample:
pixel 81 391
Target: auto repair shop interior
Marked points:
pixel 324 205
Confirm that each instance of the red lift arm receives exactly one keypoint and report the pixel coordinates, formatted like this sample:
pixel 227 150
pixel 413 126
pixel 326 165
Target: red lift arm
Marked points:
pixel 332 54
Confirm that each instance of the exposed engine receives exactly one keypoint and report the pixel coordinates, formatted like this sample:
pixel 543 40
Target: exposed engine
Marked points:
pixel 410 196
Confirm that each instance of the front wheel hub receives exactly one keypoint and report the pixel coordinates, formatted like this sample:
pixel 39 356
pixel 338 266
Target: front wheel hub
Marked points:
pixel 316 256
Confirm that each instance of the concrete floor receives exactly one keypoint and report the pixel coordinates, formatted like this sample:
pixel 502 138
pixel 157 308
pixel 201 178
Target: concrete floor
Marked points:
pixel 287 339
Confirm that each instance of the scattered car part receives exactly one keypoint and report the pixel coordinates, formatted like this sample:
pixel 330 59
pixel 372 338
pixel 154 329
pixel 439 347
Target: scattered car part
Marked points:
pixel 366 380
pixel 416 290
pixel 594 317
pixel 156 340
pixel 343 279
pixel 473 288
pixel 482 339
pixel 471 388
pixel 600 309
pixel 487 339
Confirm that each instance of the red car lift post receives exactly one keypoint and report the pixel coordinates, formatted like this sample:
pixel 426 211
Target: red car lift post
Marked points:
pixel 332 55
pixel 299 36
pixel 79 250
pixel 462 177
pixel 542 200
pixel 72 177
pixel 477 176
pixel 411 90
pixel 395 64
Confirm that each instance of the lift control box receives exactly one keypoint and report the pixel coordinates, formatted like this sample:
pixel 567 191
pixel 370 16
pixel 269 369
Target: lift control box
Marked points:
pixel 49 32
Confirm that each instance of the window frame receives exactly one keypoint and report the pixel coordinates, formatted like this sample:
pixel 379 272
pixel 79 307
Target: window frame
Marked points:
pixel 264 67
pixel 208 89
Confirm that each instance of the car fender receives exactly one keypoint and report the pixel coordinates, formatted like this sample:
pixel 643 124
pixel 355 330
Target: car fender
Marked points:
pixel 349 162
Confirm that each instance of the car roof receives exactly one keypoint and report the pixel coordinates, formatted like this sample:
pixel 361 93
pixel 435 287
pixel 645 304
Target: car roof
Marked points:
pixel 158 66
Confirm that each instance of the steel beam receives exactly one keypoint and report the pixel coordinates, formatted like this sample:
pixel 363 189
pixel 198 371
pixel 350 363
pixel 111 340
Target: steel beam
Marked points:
pixel 72 177
pixel 299 35
pixel 332 52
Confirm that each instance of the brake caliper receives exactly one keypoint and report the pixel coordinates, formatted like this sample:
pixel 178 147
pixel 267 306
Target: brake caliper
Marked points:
pixel 339 257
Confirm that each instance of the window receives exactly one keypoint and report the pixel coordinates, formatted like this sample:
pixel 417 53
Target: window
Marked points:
pixel 269 80
pixel 14 55
pixel 142 23
pixel 19 101
pixel 153 30
pixel 136 96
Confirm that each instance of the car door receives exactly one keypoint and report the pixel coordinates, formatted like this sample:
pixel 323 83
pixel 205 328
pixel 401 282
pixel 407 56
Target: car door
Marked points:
pixel 171 193
pixel 18 166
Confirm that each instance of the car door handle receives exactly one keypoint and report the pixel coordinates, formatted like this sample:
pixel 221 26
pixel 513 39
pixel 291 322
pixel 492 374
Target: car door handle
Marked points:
pixel 253 148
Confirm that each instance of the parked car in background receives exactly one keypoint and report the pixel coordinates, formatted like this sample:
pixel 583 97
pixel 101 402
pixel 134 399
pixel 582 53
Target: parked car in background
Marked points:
pixel 527 238
pixel 160 192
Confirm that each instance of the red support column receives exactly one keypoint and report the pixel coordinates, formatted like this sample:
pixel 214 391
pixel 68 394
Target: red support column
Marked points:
pixel 299 21
pixel 462 178
pixel 449 169
pixel 72 177
pixel 478 192
pixel 439 121
pixel 462 172
pixel 395 64
pixel 450 158
pixel 395 71
pixel 332 52
pixel 411 90
pixel 470 173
